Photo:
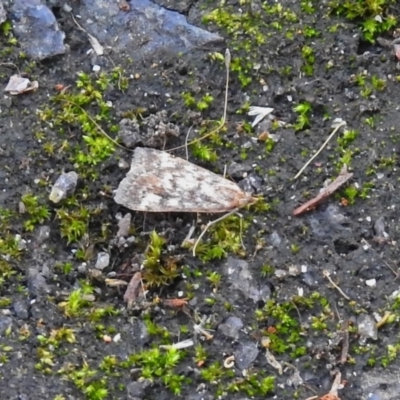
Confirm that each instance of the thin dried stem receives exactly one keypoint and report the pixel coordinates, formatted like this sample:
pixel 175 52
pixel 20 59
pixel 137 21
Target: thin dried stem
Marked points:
pixel 223 121
pixel 320 149
pixel 211 223
pixel 328 276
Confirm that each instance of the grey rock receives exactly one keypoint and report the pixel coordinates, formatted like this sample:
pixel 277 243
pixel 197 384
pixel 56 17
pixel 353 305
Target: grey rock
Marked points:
pixel 252 183
pixel 124 225
pixel 140 333
pixel 367 327
pixel 274 239
pixel 245 355
pixel 241 279
pixel 64 186
pixel 328 223
pixel 82 268
pixel 21 309
pixel 381 384
pixel 37 285
pixel 181 6
pixel 137 390
pixel 237 170
pixel 103 260
pixel 3 14
pixel 311 279
pixel 231 327
pixel 280 273
pixel 152 131
pixel 5 323
pixel 200 396
pixel 379 228
pixel 42 235
pixel 146 29
pixel 129 132
pixel 37 29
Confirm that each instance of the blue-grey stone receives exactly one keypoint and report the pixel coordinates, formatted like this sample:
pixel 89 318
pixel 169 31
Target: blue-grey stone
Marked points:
pixel 37 29
pixel 144 30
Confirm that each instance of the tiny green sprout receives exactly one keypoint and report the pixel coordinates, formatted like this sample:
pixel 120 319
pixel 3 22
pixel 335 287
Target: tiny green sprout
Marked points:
pixel 244 108
pixel 5 302
pixel 373 15
pixel 214 278
pixel 203 152
pixel 269 145
pixel 210 301
pixel 350 194
pixel 286 70
pixel 6 28
pixel 370 121
pixel 261 206
pixel 38 214
pixel 346 158
pixel 49 148
pixel 347 137
pixel 295 248
pixel 157 365
pixel 214 372
pixel 266 270
pixel 76 302
pixel 216 56
pixel 184 329
pixel 318 323
pixel 307 6
pixel 205 102
pixel 73 223
pixel 254 384
pixel 109 364
pixel 156 330
pixel 200 355
pixel 303 110
pixel 377 83
pixel 308 56
pixel 158 270
pixel 310 32
pixel 359 79
pixel 366 92
pixel 189 100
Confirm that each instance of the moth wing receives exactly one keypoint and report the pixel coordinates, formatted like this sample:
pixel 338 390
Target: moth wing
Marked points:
pixel 159 182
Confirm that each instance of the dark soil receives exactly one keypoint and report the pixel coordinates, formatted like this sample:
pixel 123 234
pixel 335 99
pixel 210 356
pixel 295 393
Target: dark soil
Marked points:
pixel 90 345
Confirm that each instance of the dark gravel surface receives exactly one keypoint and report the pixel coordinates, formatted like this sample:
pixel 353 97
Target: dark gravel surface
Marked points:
pixel 275 317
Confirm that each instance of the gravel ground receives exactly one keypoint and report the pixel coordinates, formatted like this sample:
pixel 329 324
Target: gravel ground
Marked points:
pixel 99 302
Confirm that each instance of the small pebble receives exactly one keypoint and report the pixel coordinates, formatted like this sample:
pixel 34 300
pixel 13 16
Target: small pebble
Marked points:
pixel 370 282
pixel 103 260
pixel 64 185
pixel 367 327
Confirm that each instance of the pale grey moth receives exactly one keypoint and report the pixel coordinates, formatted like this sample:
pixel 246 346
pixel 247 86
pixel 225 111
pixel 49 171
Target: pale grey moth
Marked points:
pixel 160 182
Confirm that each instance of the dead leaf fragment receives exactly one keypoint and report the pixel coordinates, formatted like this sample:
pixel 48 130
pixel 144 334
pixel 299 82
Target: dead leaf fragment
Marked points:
pixel 133 290
pixel 18 85
pixel 329 396
pixel 175 303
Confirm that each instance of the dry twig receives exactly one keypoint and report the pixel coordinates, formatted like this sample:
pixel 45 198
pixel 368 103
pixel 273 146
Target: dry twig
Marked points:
pixel 328 276
pixel 135 287
pixel 343 177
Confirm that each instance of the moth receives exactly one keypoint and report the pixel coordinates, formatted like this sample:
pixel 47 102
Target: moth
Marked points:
pixel 160 182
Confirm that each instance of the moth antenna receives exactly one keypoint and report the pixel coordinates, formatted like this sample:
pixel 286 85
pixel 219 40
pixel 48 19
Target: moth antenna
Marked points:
pixel 186 142
pixel 223 121
pixel 211 223
pixel 320 149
